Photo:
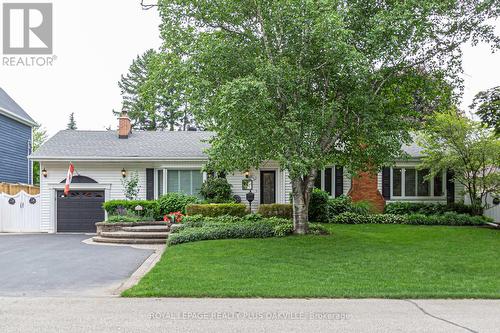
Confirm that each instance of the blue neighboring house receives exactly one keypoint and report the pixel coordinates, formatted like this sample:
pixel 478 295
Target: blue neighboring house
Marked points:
pixel 16 133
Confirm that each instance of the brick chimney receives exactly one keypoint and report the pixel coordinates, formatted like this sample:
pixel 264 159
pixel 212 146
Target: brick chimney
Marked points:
pixel 124 126
pixel 364 187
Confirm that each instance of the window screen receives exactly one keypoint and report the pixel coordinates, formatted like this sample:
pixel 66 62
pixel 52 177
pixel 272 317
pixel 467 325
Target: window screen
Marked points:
pixel 396 182
pixel 184 181
pixel 410 182
pixel 423 185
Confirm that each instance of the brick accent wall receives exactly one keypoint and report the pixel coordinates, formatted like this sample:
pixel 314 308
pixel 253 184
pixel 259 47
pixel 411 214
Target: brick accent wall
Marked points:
pixel 364 187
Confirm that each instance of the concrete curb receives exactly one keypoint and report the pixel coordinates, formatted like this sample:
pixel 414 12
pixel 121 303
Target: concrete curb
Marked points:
pixel 146 266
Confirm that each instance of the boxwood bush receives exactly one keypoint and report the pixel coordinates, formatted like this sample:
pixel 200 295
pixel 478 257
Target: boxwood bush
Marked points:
pixel 216 190
pixel 279 210
pixel 175 202
pixel 318 206
pixel 232 209
pixel 150 208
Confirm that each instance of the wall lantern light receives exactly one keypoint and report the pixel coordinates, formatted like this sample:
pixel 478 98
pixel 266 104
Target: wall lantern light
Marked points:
pixel 44 173
pixel 247 174
pixel 124 173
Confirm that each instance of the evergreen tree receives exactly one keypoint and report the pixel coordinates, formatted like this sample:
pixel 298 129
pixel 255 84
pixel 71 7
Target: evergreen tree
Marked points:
pixel 149 95
pixel 39 137
pixel 72 122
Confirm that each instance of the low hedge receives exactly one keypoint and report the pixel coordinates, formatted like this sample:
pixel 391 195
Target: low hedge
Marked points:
pixel 150 208
pixel 449 218
pixel 196 228
pixel 127 219
pixel 278 210
pixel 212 210
pixel 403 208
pixel 223 231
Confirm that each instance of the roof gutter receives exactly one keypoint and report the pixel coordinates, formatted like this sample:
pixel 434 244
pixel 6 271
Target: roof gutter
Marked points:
pixel 114 158
pixel 20 119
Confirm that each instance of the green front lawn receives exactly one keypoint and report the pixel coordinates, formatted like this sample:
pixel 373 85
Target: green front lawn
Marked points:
pixel 393 261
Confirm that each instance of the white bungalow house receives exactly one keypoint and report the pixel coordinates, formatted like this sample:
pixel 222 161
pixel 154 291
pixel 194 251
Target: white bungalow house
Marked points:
pixel 168 161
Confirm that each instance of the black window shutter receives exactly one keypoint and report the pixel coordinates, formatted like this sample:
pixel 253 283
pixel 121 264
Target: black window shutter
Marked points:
pixel 339 181
pixel 150 184
pixel 317 180
pixel 386 183
pixel 328 180
pixel 450 187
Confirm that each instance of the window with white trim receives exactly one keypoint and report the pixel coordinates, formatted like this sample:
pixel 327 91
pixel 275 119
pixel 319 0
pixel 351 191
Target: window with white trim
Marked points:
pixel 410 182
pixel 182 181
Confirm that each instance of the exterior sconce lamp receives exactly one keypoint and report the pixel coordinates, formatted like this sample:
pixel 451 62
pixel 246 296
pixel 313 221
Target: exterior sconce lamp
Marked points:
pixel 44 173
pixel 124 173
pixel 247 174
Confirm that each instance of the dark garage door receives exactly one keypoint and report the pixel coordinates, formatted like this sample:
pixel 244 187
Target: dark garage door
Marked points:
pixel 79 211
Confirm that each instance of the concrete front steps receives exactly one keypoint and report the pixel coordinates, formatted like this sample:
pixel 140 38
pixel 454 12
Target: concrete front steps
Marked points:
pixel 146 234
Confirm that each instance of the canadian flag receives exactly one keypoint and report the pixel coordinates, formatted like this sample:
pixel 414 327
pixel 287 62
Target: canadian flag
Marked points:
pixel 69 176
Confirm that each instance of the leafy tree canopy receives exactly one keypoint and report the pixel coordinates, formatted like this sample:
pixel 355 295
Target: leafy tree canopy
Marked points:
pixel 487 106
pixel 311 83
pixel 455 142
pixel 39 137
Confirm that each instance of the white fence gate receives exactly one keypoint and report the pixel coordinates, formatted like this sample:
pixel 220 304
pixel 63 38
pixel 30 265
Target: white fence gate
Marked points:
pixel 20 212
pixel 493 211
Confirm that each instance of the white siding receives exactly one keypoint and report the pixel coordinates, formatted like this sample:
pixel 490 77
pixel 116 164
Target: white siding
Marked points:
pixel 347 182
pixel 107 175
pixel 283 185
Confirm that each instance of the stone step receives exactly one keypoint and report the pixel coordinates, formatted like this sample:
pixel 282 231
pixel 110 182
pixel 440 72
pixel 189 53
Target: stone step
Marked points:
pixel 148 228
pixel 100 239
pixel 134 234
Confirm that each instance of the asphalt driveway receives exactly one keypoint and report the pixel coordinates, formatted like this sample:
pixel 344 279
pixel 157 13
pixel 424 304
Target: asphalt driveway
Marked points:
pixel 61 265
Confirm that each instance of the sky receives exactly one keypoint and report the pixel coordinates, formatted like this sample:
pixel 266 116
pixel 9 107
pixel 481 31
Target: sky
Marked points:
pixel 95 43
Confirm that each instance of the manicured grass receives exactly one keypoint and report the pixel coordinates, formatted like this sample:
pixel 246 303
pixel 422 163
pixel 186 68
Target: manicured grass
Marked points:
pixel 390 261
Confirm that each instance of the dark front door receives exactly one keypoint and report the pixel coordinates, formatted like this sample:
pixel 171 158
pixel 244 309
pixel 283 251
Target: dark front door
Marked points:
pixel 267 187
pixel 79 211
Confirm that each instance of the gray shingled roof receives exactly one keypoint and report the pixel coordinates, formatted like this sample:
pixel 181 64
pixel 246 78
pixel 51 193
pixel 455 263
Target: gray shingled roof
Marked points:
pixel 9 105
pixel 74 145
pixel 161 145
pixel 413 150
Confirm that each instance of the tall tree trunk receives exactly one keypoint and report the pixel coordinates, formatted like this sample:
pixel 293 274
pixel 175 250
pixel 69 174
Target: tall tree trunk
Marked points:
pixel 301 194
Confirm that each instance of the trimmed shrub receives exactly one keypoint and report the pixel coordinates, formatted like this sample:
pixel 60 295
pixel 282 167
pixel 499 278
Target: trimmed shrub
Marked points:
pixel 425 208
pixel 449 218
pixel 150 208
pixel 279 210
pixel 175 202
pixel 232 209
pixel 339 205
pixel 124 218
pixel 319 206
pixel 216 190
